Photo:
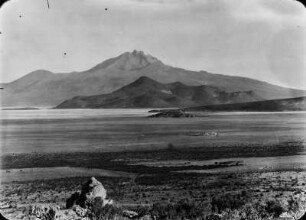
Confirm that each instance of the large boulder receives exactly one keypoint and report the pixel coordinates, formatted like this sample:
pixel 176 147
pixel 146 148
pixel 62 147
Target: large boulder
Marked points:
pixel 91 191
pixel 130 214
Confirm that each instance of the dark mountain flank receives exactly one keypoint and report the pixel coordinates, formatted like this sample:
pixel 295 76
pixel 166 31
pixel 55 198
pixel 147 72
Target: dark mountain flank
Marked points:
pixel 147 93
pixel 292 104
pixel 44 88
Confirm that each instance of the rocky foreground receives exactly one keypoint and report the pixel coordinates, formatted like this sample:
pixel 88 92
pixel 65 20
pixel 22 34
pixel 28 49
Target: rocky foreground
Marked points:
pixel 92 202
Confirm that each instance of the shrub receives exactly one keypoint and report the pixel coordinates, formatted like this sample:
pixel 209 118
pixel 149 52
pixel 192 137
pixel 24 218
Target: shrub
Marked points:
pixel 100 212
pixel 227 201
pixel 296 206
pixel 170 147
pixel 184 209
pixel 142 210
pixel 275 208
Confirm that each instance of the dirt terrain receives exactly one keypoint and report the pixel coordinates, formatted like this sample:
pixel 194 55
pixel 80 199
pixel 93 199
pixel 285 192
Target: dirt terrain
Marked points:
pixel 142 179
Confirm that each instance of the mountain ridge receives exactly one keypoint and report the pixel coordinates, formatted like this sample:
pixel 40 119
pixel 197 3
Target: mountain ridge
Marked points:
pixel 148 93
pixel 50 89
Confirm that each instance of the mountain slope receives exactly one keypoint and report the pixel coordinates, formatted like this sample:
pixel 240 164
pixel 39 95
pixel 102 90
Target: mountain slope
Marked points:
pixel 46 88
pixel 147 93
pixel 292 104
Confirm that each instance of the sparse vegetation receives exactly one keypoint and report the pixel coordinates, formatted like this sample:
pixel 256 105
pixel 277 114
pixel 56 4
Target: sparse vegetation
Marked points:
pixel 188 196
pixel 189 209
pixel 97 212
pixel 164 193
pixel 170 147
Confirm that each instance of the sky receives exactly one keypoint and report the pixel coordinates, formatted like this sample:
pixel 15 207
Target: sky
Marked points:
pixel 261 39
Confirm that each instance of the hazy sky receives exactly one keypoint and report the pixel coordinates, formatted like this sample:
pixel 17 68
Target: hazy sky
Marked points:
pixel 261 39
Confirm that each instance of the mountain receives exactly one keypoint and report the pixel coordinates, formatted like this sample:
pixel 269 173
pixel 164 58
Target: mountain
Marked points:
pixel 148 93
pixel 292 104
pixel 44 88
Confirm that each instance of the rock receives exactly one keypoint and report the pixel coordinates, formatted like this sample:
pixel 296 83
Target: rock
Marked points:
pixel 214 217
pixel 72 200
pixel 211 133
pixel 146 217
pixel 286 215
pixel 108 202
pixel 43 211
pixel 130 214
pixel 204 133
pixel 74 214
pixel 4 205
pixel 91 189
pixel 80 211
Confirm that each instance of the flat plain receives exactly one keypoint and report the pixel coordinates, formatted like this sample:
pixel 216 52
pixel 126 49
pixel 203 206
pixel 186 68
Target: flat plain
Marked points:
pixel 105 130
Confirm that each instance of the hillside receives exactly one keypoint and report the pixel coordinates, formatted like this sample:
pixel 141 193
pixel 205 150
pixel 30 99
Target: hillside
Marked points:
pixel 148 93
pixel 44 88
pixel 292 104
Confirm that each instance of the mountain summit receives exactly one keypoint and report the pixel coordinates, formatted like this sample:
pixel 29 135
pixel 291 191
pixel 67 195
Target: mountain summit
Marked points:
pixel 128 61
pixel 43 88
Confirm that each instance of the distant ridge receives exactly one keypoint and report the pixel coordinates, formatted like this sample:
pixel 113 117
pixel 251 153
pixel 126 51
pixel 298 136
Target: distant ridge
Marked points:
pixel 148 93
pixel 44 88
pixel 292 104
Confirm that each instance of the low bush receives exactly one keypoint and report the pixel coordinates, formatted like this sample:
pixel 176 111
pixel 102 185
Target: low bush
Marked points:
pixel 100 212
pixel 228 201
pixel 227 207
pixel 184 209
pixel 274 208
